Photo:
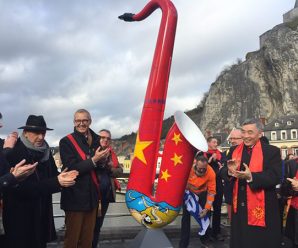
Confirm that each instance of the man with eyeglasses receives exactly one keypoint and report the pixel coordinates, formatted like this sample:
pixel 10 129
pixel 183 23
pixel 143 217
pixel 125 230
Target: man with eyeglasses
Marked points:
pixel 234 139
pixel 202 182
pixel 107 170
pixel 81 151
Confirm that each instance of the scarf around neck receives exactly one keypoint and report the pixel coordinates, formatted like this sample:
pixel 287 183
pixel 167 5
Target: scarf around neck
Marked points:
pixel 217 152
pixel 43 150
pixel 255 198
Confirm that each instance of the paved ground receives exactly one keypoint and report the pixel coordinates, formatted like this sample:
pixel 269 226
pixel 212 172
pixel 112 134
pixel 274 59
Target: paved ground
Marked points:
pixel 118 238
pixel 124 237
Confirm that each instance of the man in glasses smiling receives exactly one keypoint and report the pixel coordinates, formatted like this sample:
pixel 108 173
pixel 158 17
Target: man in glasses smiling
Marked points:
pixel 81 151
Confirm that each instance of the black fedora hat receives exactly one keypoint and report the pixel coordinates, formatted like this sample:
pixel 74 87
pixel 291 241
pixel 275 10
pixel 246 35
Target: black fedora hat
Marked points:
pixel 35 123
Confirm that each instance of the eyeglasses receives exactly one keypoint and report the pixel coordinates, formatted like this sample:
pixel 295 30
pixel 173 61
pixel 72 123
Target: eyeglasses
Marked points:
pixel 105 137
pixel 84 121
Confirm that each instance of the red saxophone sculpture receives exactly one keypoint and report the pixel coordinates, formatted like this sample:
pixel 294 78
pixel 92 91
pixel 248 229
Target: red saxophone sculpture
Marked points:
pixel 157 209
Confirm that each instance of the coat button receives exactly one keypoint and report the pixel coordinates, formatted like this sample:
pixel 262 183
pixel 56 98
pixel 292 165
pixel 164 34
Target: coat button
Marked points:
pixel 242 204
pixel 4 183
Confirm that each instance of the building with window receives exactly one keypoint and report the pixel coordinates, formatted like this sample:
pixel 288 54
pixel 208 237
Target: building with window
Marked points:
pixel 283 133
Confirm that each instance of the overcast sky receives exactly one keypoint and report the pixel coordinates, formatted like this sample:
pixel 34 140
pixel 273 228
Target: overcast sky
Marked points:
pixel 58 55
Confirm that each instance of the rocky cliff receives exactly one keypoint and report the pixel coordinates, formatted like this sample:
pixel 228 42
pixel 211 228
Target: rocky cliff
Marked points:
pixel 264 85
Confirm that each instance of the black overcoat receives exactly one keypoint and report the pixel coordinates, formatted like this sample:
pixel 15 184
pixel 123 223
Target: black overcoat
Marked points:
pixel 243 235
pixel 83 196
pixel 27 207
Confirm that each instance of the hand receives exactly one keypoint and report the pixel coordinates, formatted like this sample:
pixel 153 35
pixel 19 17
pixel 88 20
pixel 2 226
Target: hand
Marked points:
pixel 22 170
pixel 214 156
pixel 67 178
pixel 100 154
pixel 11 140
pixel 294 183
pixel 232 167
pixel 203 213
pixel 246 174
pixel 219 165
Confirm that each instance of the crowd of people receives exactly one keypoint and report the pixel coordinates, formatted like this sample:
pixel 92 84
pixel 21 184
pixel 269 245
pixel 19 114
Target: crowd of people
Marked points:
pixel 251 177
pixel 29 177
pixel 257 187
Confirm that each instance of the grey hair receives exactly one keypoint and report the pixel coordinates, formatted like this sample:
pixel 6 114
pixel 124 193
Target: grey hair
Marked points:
pixel 83 111
pixel 255 121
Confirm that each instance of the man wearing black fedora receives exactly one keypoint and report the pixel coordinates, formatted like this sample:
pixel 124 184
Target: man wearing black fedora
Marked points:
pixel 27 213
pixel 9 178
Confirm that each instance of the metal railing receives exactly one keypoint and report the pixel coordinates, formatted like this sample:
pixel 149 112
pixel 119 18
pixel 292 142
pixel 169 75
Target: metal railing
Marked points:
pixel 108 215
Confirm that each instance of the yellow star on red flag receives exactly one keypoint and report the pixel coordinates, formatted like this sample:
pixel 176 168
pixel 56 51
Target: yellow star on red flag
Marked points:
pixel 176 138
pixel 139 149
pixel 176 159
pixel 165 175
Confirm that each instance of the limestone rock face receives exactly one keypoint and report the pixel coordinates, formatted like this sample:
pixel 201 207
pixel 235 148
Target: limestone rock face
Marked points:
pixel 264 85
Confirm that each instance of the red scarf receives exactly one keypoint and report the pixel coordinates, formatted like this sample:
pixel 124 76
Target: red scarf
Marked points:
pixel 294 200
pixel 255 198
pixel 115 165
pixel 84 157
pixel 218 154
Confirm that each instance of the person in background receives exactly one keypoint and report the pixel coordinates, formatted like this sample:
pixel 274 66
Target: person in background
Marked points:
pixel 107 170
pixel 201 182
pixel 255 169
pixel 27 208
pixel 291 230
pixel 81 151
pixel 214 157
pixel 234 138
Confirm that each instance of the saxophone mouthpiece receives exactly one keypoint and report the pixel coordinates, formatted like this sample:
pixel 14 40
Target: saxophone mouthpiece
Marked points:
pixel 127 17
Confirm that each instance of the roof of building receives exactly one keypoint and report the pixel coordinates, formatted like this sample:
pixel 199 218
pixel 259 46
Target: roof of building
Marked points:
pixel 283 123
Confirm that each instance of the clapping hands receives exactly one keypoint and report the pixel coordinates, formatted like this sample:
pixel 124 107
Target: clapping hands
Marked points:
pixel 67 178
pixel 22 170
pixel 235 172
pixel 101 154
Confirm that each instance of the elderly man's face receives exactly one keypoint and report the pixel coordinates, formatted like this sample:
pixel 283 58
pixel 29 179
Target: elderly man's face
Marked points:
pixel 235 137
pixel 36 138
pixel 82 122
pixel 250 134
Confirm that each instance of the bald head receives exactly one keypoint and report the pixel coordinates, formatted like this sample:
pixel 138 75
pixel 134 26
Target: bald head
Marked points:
pixel 235 137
